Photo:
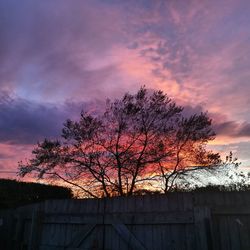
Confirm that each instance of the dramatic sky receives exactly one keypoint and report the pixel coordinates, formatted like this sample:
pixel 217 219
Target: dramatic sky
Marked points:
pixel 58 56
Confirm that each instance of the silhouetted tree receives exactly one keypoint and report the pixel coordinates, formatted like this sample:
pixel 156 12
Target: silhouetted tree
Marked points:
pixel 142 140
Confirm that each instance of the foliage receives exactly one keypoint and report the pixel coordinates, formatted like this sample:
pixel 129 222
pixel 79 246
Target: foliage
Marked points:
pixel 14 193
pixel 226 174
pixel 141 140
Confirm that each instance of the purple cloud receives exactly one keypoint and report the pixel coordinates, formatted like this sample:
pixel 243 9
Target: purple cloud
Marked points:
pixel 26 122
pixel 233 129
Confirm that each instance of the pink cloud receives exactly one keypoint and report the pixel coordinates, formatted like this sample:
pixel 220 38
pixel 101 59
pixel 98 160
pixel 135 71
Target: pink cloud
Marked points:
pixel 10 155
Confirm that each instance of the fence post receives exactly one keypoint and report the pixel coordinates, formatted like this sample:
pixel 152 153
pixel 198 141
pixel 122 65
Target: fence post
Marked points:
pixel 203 228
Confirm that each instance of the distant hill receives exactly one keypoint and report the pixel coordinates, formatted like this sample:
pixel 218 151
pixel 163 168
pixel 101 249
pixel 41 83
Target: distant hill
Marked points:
pixel 15 193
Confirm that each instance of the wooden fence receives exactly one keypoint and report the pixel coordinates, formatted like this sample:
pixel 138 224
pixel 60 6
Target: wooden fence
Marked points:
pixel 177 221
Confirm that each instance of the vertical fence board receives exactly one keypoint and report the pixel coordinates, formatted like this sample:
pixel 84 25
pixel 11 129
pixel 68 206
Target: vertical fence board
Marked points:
pixel 35 230
pixel 18 236
pixel 234 233
pixel 190 237
pixel 202 226
pixel 224 233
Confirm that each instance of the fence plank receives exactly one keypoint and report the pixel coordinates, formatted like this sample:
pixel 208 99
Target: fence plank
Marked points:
pixel 18 236
pixel 234 233
pixel 127 218
pixel 202 217
pixel 36 230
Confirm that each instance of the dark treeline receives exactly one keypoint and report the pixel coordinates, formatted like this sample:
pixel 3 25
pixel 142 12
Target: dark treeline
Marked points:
pixel 14 193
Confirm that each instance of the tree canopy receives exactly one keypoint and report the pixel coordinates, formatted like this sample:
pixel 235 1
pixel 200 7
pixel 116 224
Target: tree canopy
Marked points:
pixel 143 141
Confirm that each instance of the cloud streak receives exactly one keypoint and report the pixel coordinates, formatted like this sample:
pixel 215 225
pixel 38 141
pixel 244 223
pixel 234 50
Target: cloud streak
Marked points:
pixel 233 129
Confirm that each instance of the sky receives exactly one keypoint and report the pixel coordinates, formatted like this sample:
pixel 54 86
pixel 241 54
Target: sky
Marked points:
pixel 58 57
